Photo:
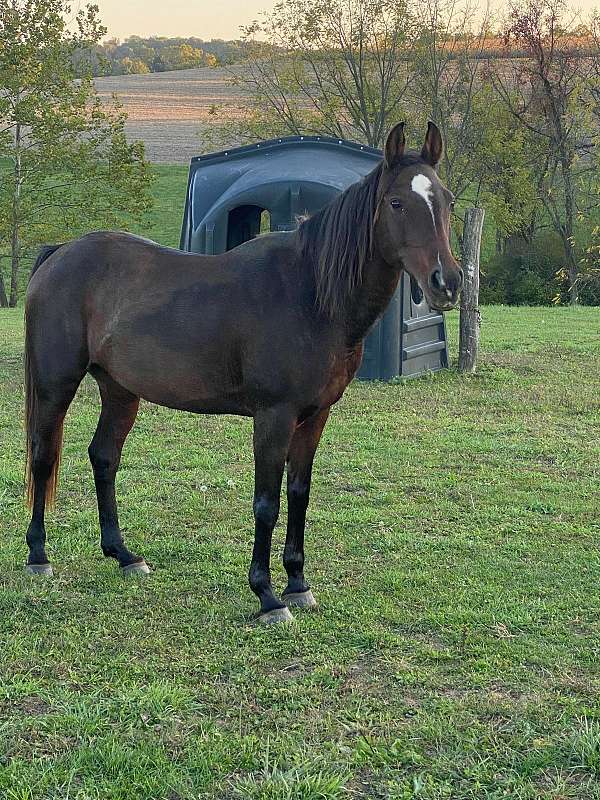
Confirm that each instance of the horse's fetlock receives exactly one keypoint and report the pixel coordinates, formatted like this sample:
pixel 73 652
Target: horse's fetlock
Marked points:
pixel 35 534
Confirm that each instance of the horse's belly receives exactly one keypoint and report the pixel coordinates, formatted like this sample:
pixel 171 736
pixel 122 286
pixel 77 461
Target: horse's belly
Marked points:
pixel 189 393
pixel 190 378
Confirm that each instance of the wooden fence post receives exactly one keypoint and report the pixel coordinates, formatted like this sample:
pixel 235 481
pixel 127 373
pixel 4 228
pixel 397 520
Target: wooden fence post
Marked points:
pixel 469 302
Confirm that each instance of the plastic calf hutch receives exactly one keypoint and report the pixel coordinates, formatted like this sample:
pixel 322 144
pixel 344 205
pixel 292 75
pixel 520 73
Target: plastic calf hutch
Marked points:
pixel 235 194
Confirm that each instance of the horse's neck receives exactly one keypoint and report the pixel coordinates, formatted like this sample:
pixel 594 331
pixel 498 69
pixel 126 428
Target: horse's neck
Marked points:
pixel 370 299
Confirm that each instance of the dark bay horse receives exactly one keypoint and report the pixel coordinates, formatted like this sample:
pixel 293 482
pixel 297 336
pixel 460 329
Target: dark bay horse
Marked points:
pixel 272 330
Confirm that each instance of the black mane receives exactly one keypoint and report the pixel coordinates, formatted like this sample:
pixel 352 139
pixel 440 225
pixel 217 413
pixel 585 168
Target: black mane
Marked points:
pixel 338 239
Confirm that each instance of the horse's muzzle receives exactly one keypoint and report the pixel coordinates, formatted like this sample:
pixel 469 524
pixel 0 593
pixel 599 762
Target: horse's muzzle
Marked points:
pixel 444 287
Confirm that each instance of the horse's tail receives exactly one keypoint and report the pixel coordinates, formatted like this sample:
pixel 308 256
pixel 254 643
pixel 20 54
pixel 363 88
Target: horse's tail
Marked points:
pixel 31 424
pixel 31 403
pixel 30 409
pixel 45 252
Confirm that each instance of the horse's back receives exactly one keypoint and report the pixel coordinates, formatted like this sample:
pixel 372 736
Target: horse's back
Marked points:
pixel 115 263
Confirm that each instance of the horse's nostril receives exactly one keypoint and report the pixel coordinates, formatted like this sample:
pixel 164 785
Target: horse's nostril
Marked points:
pixel 437 280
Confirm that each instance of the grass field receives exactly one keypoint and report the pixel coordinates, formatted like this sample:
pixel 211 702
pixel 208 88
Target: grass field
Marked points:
pixel 452 543
pixel 163 223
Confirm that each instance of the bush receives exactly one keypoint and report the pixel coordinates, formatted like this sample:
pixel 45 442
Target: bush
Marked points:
pixel 589 289
pixel 524 275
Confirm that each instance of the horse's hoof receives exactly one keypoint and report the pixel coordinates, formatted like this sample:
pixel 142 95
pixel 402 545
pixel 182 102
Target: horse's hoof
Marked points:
pixel 137 568
pixel 276 615
pixel 39 569
pixel 300 599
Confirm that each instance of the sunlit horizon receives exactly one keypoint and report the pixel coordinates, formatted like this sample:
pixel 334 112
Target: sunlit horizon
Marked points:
pixel 182 18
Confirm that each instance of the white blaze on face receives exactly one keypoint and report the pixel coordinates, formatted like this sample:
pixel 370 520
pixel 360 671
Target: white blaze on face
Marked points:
pixel 424 188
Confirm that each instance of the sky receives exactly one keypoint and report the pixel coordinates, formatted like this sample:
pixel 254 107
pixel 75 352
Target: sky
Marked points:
pixel 219 19
pixel 206 19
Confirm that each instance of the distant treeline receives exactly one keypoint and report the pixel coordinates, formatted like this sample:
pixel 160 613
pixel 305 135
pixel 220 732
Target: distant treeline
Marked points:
pixel 138 55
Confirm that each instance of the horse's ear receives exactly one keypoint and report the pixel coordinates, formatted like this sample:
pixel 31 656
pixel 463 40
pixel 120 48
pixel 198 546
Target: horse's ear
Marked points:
pixel 433 148
pixel 394 146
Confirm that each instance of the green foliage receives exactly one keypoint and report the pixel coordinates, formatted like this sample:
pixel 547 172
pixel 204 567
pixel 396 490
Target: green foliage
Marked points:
pixel 446 66
pixel 184 56
pixel 520 132
pixel 526 274
pixel 133 66
pixel 589 274
pixel 65 164
pixel 502 163
pixel 137 54
pixel 552 92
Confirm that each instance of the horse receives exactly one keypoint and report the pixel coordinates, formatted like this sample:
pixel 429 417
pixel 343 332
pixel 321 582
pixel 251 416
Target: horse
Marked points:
pixel 272 330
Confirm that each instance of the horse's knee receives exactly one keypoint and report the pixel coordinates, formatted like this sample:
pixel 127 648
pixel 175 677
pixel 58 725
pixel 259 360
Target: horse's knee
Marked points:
pixel 266 511
pixel 103 463
pixel 298 491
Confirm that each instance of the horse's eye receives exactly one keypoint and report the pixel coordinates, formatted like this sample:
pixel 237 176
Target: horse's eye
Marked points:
pixel 395 203
pixel 452 205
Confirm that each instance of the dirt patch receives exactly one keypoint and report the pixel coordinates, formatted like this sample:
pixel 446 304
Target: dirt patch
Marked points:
pixel 169 111
pixel 30 706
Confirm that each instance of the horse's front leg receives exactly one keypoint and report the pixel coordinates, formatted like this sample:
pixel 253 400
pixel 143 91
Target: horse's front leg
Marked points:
pixel 273 429
pixel 300 460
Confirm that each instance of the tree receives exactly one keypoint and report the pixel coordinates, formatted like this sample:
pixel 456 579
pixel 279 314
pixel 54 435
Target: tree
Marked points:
pixel 65 163
pixel 447 61
pixel 504 157
pixel 183 56
pixel 546 84
pixel 133 66
pixel 332 67
pixel 158 65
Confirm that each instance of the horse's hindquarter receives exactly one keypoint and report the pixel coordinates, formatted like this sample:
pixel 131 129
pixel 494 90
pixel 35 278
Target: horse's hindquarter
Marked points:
pixel 207 334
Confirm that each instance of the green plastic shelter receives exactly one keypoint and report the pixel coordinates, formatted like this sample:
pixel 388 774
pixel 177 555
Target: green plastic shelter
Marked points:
pixel 231 195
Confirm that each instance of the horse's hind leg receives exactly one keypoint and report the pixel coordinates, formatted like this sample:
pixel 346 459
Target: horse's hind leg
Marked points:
pixel 300 460
pixel 45 439
pixel 119 410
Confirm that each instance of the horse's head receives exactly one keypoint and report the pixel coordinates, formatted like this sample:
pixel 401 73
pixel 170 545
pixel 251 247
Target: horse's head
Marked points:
pixel 412 226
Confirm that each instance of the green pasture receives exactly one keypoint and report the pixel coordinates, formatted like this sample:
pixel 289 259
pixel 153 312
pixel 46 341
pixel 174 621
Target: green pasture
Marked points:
pixel 453 546
pixel 163 223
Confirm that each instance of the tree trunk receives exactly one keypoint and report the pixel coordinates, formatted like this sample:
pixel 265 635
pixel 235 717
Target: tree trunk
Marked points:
pixel 470 319
pixel 573 272
pixel 499 242
pixel 15 251
pixel 15 239
pixel 568 239
pixel 3 297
